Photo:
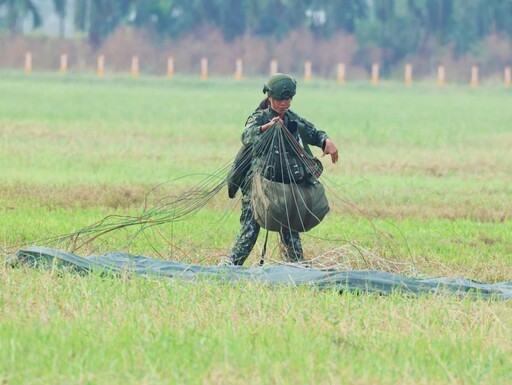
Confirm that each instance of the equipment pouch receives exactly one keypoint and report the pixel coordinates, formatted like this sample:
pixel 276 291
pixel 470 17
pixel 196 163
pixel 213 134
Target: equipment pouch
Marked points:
pixel 239 169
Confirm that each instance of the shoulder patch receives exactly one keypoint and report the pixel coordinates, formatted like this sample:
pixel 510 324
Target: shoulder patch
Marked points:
pixel 250 120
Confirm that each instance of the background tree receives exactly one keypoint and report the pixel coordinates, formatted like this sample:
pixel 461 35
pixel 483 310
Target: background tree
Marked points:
pixel 61 10
pixel 17 10
pixel 434 19
pixel 502 16
pixel 386 30
pixel 98 18
pixel 397 27
pixel 168 18
pixel 348 13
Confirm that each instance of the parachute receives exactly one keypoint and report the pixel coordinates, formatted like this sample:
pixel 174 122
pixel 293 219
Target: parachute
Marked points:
pixel 283 182
pixel 358 281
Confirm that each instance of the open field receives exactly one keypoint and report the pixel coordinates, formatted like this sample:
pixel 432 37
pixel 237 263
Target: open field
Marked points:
pixel 430 168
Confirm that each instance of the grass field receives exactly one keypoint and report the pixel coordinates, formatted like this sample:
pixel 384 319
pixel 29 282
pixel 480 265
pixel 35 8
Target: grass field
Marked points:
pixel 429 167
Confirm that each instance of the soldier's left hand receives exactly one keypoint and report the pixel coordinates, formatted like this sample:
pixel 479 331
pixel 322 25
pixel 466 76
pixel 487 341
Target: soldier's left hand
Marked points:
pixel 331 149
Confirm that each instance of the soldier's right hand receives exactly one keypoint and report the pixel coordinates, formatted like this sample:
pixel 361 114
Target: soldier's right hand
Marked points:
pixel 265 127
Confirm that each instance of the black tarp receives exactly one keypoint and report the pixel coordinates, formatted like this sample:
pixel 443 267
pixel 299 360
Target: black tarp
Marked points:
pixel 363 281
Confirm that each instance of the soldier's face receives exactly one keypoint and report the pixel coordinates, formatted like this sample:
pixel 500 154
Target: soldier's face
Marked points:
pixel 280 105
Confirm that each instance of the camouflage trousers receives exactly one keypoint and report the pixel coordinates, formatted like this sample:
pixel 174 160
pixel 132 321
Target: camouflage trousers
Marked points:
pixel 246 238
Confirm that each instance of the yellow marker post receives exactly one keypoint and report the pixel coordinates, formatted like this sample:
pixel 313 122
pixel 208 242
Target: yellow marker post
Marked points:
pixel 63 63
pixel 341 73
pixel 170 67
pixel 238 69
pixel 28 62
pixel 408 74
pixel 375 73
pixel 273 67
pixel 307 71
pixel 474 76
pixel 135 66
pixel 440 75
pixel 204 68
pixel 100 66
pixel 507 77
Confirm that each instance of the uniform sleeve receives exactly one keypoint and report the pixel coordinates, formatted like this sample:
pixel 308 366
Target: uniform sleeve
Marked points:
pixel 310 134
pixel 252 129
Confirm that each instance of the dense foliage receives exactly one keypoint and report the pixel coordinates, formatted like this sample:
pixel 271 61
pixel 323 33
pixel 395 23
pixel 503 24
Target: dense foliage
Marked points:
pixel 398 27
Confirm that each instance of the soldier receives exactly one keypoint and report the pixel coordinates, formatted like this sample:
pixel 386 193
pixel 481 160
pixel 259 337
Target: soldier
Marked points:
pixel 274 109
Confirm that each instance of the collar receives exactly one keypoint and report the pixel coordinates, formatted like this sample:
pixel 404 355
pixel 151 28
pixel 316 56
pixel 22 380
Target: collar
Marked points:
pixel 272 114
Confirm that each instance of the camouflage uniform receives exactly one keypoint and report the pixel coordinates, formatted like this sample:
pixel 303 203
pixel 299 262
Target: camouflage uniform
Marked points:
pixel 249 231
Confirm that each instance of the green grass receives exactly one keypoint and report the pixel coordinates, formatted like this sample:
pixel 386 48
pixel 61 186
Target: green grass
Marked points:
pixel 138 330
pixel 430 168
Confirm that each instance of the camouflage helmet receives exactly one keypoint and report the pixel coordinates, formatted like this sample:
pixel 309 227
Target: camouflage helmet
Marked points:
pixel 280 86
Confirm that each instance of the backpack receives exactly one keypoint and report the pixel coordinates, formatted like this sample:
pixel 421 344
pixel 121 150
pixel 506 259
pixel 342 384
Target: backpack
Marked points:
pixel 296 207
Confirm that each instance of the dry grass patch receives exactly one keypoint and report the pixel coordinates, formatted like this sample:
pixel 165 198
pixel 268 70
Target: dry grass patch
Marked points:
pixel 438 210
pixel 79 196
pixel 495 209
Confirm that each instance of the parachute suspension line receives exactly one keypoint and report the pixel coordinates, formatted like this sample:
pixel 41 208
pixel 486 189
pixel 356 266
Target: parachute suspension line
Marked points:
pixel 286 137
pixel 269 146
pixel 272 145
pixel 285 160
pixel 165 210
pixel 301 153
pixel 264 250
pixel 276 148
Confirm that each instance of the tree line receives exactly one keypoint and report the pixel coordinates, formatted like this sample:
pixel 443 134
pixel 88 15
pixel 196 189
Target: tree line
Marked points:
pixel 398 27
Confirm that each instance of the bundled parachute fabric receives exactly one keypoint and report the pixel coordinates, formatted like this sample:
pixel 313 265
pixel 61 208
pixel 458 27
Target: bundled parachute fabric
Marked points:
pixel 282 177
pixel 297 207
pixel 360 281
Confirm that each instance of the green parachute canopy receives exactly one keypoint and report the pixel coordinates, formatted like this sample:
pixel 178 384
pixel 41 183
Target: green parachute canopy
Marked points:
pixel 362 281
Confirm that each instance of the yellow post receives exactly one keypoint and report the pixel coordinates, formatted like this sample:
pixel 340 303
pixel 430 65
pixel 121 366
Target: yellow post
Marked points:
pixel 507 77
pixel 440 75
pixel 307 71
pixel 100 66
pixel 341 73
pixel 474 76
pixel 28 62
pixel 238 69
pixel 170 67
pixel 63 63
pixel 135 66
pixel 408 73
pixel 375 73
pixel 204 68
pixel 273 67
